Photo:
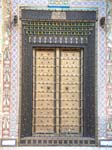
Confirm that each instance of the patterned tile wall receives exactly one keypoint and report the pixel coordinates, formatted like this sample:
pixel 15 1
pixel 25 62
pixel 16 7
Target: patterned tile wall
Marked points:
pixel 0 67
pixel 12 100
pixel 109 70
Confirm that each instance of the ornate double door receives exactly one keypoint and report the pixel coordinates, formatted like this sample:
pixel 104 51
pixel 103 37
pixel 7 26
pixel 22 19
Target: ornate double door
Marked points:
pixel 57 91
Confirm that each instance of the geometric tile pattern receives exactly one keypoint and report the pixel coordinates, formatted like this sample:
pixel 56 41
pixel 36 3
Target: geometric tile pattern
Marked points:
pixel 109 71
pixel 11 64
pixel 0 68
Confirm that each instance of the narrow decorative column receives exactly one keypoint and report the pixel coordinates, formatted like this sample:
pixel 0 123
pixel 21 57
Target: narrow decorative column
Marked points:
pixel 6 68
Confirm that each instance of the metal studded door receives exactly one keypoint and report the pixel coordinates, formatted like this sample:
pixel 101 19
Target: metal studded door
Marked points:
pixel 57 91
pixel 58 78
pixel 70 93
pixel 43 90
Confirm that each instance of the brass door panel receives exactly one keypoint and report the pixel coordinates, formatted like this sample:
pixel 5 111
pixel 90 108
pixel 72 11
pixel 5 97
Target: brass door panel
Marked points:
pixel 43 89
pixel 71 88
pixel 44 122
pixel 70 96
pixel 44 71
pixel 71 104
pixel 70 67
pixel 69 113
pixel 48 112
pixel 45 79
pixel 47 96
pixel 69 62
pixel 45 104
pixel 71 79
pixel 57 91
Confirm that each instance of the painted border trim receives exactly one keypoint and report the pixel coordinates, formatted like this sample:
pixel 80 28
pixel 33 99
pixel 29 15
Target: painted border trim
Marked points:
pixel 58 6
